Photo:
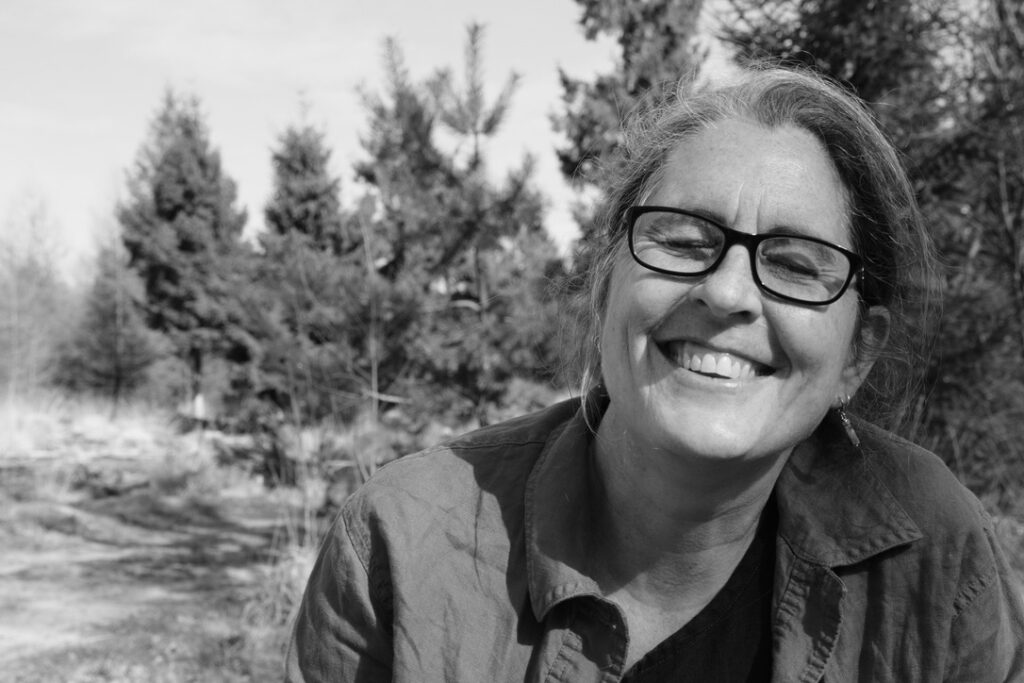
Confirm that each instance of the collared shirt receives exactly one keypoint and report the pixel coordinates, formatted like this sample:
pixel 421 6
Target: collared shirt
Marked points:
pixel 466 562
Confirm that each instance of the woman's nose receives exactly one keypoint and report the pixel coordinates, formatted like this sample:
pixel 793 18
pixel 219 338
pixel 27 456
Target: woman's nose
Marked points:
pixel 729 289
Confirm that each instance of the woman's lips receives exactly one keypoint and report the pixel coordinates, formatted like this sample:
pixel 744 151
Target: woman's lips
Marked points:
pixel 707 361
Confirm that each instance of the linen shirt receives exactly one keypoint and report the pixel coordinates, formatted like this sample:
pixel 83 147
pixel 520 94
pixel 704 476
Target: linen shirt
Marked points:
pixel 466 562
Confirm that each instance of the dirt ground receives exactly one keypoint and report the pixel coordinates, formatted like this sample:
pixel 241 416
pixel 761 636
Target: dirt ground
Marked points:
pixel 144 563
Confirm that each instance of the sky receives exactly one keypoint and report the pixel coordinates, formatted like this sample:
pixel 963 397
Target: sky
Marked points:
pixel 80 83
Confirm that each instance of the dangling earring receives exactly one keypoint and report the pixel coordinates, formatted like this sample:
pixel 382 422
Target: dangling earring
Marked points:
pixel 847 425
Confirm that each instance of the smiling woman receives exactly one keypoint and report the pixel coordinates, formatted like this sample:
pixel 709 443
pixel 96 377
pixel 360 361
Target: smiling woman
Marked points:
pixel 710 510
pixel 774 183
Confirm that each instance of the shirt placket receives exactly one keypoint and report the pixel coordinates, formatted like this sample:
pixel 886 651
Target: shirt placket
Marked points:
pixel 807 620
pixel 591 641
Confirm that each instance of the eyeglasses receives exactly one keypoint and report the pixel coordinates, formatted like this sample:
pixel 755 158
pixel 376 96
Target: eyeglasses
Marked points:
pixel 795 268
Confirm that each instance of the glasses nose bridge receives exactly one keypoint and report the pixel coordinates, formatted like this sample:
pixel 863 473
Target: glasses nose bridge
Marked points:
pixel 742 282
pixel 748 241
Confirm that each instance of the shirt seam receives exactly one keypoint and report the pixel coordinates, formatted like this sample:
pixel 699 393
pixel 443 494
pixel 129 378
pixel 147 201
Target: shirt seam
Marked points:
pixel 356 547
pixel 850 554
pixel 562 662
pixel 972 591
pixel 491 444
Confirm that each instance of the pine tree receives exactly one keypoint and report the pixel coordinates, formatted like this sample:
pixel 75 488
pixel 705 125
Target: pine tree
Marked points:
pixel 411 178
pixel 311 307
pixel 406 232
pixel 306 196
pixel 111 347
pixel 657 48
pixel 888 53
pixel 36 301
pixel 181 230
pixel 445 234
pixel 468 116
pixel 299 323
pixel 466 112
pixel 973 192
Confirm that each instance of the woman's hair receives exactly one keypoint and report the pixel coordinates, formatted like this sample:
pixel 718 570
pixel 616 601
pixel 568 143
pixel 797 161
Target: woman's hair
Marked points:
pixel 886 225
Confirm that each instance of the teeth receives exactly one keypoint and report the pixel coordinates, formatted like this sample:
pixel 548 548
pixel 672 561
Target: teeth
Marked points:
pixel 708 363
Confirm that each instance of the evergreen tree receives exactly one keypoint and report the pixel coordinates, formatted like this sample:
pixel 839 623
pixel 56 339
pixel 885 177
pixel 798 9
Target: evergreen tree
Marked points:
pixel 891 54
pixel 181 230
pixel 318 311
pixel 657 48
pixel 295 312
pixel 466 112
pixel 411 178
pixel 446 233
pixel 34 307
pixel 973 192
pixel 319 320
pixel 111 347
pixel 471 119
pixel 305 196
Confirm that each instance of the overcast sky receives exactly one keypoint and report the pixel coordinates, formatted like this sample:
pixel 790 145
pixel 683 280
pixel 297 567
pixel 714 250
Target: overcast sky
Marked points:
pixel 82 80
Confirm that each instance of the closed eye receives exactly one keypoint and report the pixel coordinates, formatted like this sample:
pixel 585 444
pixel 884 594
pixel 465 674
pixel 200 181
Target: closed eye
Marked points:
pixel 794 265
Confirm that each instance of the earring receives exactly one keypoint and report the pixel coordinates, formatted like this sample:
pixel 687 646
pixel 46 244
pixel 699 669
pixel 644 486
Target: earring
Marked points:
pixel 847 425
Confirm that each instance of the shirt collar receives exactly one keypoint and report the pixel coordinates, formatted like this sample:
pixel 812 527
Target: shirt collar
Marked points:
pixel 834 510
pixel 558 495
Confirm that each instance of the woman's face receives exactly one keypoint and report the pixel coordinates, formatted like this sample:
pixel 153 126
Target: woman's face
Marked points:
pixel 786 363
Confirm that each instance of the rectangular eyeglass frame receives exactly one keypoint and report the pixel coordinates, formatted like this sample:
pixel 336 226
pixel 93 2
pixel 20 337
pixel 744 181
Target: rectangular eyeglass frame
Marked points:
pixel 750 242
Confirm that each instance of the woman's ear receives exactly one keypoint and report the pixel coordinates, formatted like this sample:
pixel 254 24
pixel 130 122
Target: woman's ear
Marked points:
pixel 873 332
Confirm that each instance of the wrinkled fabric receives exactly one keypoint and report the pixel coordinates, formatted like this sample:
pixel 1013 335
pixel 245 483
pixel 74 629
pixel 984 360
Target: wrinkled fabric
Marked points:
pixel 466 563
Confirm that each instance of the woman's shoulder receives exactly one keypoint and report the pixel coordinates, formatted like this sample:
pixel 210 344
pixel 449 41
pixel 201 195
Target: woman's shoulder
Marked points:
pixel 952 521
pixel 958 550
pixel 503 445
pixel 483 467
pixel 920 480
pixel 842 504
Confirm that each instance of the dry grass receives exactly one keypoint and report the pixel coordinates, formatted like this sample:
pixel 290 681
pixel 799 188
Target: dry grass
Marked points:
pixel 133 554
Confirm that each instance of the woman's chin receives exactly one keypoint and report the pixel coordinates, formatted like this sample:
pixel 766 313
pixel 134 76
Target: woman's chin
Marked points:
pixel 718 430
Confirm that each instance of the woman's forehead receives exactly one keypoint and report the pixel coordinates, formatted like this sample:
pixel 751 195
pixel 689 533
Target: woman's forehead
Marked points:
pixel 756 179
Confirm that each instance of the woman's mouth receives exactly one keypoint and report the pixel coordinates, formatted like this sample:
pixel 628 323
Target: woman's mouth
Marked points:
pixel 710 363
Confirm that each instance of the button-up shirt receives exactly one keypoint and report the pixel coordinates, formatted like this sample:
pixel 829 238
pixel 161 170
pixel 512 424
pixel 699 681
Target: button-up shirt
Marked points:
pixel 467 562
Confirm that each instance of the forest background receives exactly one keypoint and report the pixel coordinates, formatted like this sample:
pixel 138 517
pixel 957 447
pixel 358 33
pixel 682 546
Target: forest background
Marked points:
pixel 429 299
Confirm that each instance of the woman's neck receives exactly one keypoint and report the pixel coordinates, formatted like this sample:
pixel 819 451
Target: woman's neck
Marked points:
pixel 664 522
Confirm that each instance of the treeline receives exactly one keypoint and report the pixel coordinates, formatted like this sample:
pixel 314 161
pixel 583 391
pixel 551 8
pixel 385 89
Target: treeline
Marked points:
pixel 436 291
pixel 430 293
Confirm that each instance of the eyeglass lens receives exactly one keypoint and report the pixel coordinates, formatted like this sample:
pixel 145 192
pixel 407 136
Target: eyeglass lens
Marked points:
pixel 791 266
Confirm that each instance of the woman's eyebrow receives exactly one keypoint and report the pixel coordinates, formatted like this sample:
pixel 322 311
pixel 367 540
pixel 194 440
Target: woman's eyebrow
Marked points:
pixel 790 231
pixel 783 229
pixel 706 214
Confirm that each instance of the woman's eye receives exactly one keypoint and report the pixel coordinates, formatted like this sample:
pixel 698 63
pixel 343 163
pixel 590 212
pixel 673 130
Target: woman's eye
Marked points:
pixel 680 237
pixel 682 233
pixel 686 243
pixel 793 265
